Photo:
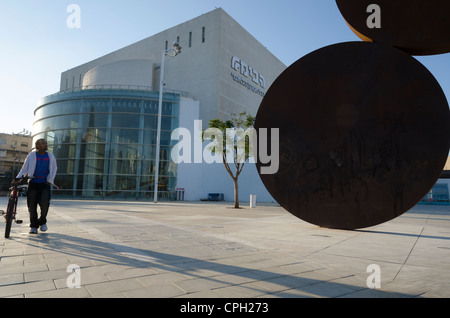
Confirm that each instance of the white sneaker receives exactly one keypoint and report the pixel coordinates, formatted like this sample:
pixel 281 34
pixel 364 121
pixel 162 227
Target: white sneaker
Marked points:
pixel 33 230
pixel 44 227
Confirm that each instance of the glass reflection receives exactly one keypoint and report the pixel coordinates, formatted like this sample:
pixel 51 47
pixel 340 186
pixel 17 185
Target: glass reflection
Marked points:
pixel 105 146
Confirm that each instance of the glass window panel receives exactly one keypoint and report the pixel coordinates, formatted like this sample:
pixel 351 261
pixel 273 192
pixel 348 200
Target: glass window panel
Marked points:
pixel 148 167
pixel 126 105
pixel 94 135
pixel 166 123
pixel 125 135
pixel 166 138
pixel 60 108
pixel 148 152
pixel 94 166
pixel 118 183
pixel 147 183
pixel 41 126
pixel 59 122
pixel 92 150
pixel 64 151
pixel 149 137
pixel 80 177
pixel 96 120
pixel 151 107
pixel 123 151
pixel 171 169
pixel 64 181
pixel 164 167
pixel 96 105
pixel 92 183
pixel 66 136
pixel 164 153
pixel 166 109
pixel 150 122
pixel 125 120
pixel 123 166
pixel 66 166
pixel 163 183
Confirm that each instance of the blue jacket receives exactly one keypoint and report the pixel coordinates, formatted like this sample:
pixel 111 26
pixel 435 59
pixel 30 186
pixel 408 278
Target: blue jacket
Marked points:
pixel 30 164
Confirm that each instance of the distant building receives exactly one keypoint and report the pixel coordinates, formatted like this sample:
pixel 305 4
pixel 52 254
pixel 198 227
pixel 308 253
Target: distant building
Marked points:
pixel 440 193
pixel 14 148
pixel 447 165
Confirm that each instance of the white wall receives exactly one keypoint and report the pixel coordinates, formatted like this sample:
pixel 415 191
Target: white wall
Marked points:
pixel 202 70
pixel 237 42
pixel 123 73
pixel 188 173
pixel 199 179
pixel 215 179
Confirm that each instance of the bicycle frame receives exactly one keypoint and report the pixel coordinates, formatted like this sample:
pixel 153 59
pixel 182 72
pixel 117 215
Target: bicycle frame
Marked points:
pixel 11 211
pixel 13 198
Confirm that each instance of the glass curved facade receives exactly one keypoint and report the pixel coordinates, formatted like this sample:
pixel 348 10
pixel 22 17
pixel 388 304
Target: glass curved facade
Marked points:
pixel 105 141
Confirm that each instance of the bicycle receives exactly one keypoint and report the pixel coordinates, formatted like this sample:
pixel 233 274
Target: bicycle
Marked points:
pixel 11 210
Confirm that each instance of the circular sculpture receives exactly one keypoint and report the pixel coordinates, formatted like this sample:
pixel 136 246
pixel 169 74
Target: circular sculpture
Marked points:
pixel 418 27
pixel 364 134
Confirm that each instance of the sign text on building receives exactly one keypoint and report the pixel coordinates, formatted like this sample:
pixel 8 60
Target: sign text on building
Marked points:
pixel 248 72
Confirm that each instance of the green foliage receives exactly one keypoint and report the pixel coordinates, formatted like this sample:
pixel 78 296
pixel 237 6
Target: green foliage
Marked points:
pixel 232 138
pixel 235 136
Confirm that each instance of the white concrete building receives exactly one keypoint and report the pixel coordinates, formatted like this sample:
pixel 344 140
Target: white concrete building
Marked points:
pixel 222 69
pixel 221 65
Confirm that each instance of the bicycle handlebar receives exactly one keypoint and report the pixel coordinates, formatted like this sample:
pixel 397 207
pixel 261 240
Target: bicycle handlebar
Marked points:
pixel 22 177
pixel 16 181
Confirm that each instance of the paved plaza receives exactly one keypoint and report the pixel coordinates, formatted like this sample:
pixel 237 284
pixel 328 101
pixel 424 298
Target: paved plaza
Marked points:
pixel 118 249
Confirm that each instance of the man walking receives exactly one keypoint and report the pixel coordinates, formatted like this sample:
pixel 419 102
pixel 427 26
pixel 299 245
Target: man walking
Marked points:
pixel 41 167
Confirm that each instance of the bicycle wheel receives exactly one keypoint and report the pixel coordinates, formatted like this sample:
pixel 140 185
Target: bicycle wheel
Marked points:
pixel 9 217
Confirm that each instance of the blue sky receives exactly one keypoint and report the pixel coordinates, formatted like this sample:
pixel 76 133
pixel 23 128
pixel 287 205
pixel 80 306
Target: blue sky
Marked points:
pixel 36 44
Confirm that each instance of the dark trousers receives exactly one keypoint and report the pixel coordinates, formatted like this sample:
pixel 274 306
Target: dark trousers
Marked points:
pixel 38 193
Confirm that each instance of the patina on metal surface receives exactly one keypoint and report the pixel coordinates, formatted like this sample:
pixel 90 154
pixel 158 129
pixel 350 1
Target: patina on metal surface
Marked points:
pixel 418 27
pixel 364 135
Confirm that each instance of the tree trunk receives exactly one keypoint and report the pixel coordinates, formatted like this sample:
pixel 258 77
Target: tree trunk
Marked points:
pixel 236 193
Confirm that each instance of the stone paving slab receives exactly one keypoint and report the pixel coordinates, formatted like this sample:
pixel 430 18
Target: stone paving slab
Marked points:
pixel 209 250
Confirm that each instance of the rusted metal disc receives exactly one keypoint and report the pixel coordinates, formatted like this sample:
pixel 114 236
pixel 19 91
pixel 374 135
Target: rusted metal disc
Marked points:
pixel 364 135
pixel 418 27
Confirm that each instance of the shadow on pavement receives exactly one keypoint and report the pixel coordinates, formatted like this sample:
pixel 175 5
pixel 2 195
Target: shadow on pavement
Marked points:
pixel 119 254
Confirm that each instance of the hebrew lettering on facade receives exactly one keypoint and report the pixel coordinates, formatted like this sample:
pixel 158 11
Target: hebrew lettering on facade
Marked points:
pixel 253 75
pixel 239 65
pixel 244 68
pixel 262 81
pixel 236 63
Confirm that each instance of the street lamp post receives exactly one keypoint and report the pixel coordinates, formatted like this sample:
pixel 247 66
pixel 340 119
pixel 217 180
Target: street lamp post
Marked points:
pixel 172 52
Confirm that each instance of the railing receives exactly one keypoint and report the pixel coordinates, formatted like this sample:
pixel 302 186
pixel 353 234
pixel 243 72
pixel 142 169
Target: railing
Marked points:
pixel 121 87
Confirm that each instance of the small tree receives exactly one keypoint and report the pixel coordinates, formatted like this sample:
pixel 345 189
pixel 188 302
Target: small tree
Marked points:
pixel 234 151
